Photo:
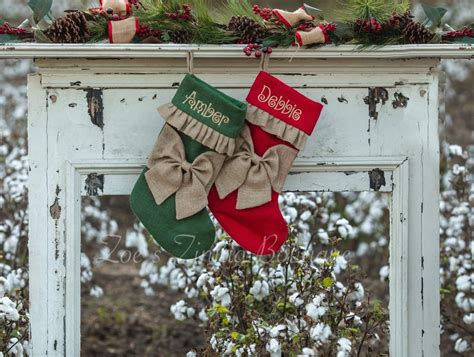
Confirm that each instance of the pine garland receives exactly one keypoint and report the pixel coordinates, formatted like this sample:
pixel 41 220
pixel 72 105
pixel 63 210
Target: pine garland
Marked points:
pixel 362 22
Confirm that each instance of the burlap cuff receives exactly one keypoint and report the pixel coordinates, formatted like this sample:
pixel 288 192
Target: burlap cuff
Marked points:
pixel 277 127
pixel 197 130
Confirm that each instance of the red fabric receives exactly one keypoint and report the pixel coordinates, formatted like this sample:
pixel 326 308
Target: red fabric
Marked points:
pixel 261 230
pixel 109 29
pixel 285 103
pixel 281 17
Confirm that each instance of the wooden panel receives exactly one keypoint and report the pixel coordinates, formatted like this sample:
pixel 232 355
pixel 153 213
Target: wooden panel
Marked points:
pixel 99 118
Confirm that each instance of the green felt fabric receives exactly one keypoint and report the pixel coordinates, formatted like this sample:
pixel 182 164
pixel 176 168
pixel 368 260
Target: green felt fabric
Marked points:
pixel 187 238
pixel 193 236
pixel 210 106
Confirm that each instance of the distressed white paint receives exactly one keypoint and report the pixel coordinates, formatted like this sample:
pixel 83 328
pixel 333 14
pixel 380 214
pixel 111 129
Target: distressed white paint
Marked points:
pixel 65 147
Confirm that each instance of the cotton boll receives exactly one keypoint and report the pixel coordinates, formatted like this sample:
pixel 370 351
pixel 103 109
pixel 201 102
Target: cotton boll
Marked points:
pixel 291 214
pixel 455 150
pixel 340 264
pixel 344 346
pixel 296 300
pixel 464 302
pixel 260 290
pixel 203 316
pixel 384 272
pixel 224 256
pixel 96 291
pixel 273 347
pixel 191 354
pixel 3 286
pixel 275 331
pixel 314 311
pixel 469 319
pixel 221 295
pixel 342 230
pixel 136 239
pixel 181 311
pixel 305 215
pixel 15 348
pixel 362 249
pixel 323 236
pixel 307 352
pixel 461 345
pixel 8 310
pixel 358 294
pixel 320 332
pixel 464 282
pixel 219 246
pixel 354 319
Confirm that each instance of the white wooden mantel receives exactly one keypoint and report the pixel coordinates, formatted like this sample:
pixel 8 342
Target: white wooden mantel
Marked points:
pixel 92 121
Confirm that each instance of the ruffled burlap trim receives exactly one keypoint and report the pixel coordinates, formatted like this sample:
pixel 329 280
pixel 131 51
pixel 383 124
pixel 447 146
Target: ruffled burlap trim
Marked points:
pixel 197 130
pixel 277 127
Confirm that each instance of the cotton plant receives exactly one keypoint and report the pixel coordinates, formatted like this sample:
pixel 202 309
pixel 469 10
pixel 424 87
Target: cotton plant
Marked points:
pixel 271 306
pixel 13 225
pixel 457 248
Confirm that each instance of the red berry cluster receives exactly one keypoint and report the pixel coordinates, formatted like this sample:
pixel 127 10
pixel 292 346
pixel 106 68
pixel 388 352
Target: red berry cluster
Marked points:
pixel 464 32
pixel 328 27
pixel 184 14
pixel 257 49
pixel 136 4
pixel 109 12
pixel 265 13
pixel 397 19
pixel 145 31
pixel 306 26
pixel 371 25
pixel 7 29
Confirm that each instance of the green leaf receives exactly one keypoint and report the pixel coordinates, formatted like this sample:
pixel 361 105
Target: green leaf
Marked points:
pixel 311 10
pixel 40 8
pixel 165 37
pixel 234 335
pixel 221 309
pixel 433 14
pixel 327 282
pixel 40 37
pixel 466 40
pixel 7 38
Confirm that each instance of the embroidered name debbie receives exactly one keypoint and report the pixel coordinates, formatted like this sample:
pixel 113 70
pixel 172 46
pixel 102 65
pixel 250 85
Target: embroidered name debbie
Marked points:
pixel 205 109
pixel 279 104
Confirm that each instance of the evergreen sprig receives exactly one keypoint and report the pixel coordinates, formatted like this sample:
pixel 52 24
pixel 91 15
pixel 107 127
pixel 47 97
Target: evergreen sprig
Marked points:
pixel 371 9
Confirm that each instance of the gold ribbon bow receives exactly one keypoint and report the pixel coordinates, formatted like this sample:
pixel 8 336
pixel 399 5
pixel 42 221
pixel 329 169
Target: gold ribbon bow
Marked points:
pixel 252 175
pixel 169 172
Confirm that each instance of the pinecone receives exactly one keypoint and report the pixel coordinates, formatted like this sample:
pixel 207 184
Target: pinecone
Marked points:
pixel 71 28
pixel 401 20
pixel 182 36
pixel 415 32
pixel 246 29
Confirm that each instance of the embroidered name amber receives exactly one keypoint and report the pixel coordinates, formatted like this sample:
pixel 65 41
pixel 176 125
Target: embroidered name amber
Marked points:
pixel 205 109
pixel 279 104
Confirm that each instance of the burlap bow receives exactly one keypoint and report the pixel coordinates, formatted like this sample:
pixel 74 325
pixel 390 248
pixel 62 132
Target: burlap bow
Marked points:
pixel 252 175
pixel 170 173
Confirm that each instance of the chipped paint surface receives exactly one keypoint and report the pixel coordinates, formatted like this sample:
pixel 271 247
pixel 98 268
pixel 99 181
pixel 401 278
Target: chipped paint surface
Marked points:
pixel 341 99
pixel 377 95
pixel 94 183
pixel 377 179
pixel 400 101
pixel 340 135
pixel 55 208
pixel 95 105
